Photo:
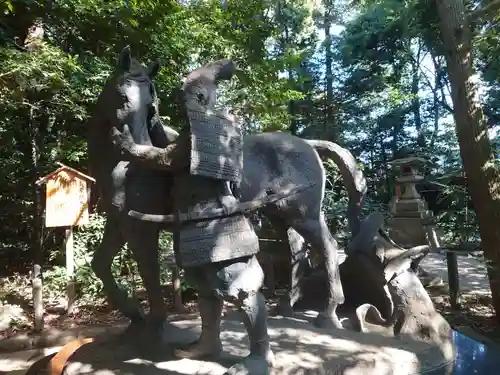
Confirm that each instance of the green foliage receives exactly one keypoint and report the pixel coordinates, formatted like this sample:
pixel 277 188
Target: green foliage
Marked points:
pixel 124 268
pixel 387 89
pixel 44 99
pixel 47 95
pixel 86 240
pixel 336 200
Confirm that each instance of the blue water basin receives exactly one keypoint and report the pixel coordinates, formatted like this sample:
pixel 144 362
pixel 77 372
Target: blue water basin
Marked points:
pixel 475 358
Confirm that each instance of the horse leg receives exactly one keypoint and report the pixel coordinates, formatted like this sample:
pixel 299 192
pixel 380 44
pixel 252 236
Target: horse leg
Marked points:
pixel 317 234
pixel 143 242
pixel 353 214
pixel 112 242
pixel 299 264
pixel 298 261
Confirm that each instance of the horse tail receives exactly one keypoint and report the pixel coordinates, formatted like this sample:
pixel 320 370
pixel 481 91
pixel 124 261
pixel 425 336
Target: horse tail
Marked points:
pixel 353 177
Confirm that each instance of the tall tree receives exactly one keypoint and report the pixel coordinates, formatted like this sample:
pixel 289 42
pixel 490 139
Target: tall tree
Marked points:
pixel 479 164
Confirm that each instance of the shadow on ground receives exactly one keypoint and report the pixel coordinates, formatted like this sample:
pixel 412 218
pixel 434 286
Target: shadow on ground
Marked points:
pixel 299 347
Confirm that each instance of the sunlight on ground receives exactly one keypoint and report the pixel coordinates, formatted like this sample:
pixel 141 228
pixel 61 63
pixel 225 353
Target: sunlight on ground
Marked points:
pixel 472 272
pixel 18 360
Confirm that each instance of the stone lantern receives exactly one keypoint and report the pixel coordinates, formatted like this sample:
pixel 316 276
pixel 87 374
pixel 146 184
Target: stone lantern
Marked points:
pixel 411 221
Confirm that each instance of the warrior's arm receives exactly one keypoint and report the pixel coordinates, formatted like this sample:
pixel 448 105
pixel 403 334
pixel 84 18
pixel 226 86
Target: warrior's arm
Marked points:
pixel 161 134
pixel 172 158
pixel 171 133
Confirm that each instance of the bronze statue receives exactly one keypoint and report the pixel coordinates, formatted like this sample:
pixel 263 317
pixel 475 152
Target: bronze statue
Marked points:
pixel 218 253
pixel 214 240
pixel 274 162
pixel 128 97
pixel 380 280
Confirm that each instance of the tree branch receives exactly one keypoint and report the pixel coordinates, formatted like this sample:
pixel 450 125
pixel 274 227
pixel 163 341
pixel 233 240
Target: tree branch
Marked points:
pixel 486 12
pixel 439 87
pixel 10 72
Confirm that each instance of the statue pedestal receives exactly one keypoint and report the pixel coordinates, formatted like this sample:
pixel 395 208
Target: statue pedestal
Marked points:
pixel 407 231
pixel 299 348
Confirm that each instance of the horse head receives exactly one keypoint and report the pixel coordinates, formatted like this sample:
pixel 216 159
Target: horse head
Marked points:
pixel 128 98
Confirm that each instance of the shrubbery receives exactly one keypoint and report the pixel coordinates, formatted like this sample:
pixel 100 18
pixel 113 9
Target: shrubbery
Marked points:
pixel 86 240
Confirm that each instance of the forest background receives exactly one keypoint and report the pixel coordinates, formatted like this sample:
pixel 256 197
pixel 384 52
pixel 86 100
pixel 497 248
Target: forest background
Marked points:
pixel 376 76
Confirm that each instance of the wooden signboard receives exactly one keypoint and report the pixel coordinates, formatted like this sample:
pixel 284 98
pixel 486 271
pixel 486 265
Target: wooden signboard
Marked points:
pixel 66 200
pixel 66 206
pixel 67 197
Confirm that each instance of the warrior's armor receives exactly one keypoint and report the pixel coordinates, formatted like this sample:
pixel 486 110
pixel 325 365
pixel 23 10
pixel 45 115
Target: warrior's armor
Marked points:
pixel 216 160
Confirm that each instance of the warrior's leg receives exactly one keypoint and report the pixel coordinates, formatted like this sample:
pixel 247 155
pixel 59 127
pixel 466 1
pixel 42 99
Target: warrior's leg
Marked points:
pixel 239 282
pixel 255 320
pixel 210 308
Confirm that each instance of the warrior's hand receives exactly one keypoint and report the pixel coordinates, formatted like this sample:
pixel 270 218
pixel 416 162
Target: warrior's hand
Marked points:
pixel 123 141
pixel 175 156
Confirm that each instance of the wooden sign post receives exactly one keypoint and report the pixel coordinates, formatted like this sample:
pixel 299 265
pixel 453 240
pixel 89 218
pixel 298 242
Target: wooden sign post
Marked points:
pixel 66 205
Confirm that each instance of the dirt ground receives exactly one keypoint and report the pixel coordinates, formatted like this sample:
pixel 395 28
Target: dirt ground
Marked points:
pixel 82 316
pixel 476 314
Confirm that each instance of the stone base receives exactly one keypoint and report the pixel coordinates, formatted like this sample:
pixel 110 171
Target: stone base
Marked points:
pixel 299 348
pixel 407 231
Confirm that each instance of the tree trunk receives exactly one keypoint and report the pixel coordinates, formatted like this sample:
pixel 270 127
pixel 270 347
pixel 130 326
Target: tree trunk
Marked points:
pixel 291 82
pixel 385 163
pixel 482 177
pixel 435 110
pixel 330 125
pixel 36 194
pixel 415 102
pixel 31 43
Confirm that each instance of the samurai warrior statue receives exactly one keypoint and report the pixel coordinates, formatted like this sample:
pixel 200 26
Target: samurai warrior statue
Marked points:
pixel 218 254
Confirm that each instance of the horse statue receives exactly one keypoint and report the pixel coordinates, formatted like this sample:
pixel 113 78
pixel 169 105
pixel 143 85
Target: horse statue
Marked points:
pixel 272 162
